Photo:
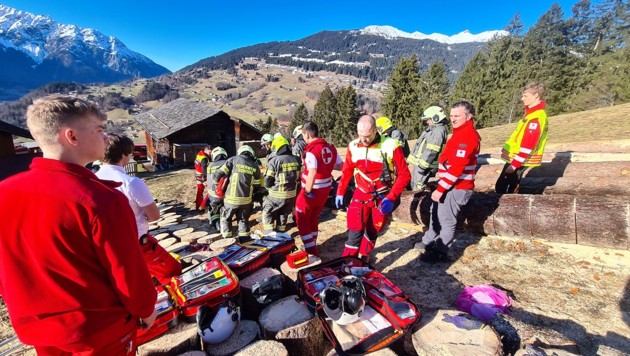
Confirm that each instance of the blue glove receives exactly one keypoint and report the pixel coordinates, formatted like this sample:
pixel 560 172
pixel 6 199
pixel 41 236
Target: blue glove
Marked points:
pixel 386 206
pixel 339 201
pixel 310 195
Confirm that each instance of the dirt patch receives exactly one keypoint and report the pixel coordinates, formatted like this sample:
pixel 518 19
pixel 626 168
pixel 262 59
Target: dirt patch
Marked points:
pixel 563 292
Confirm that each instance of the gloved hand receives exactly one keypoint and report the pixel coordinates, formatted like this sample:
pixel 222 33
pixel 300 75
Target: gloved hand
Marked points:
pixel 339 201
pixel 310 194
pixel 386 206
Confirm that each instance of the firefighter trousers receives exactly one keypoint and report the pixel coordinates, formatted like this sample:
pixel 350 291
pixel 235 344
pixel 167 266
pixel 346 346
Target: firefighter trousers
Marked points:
pixel 307 211
pixel 242 214
pixel 275 211
pixel 508 183
pixel 444 217
pixel 214 212
pixel 365 222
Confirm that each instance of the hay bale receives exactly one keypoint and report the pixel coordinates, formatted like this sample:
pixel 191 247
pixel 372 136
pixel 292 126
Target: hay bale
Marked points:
pixel 246 332
pixel 179 339
pixel 221 244
pixel 264 347
pixel 438 335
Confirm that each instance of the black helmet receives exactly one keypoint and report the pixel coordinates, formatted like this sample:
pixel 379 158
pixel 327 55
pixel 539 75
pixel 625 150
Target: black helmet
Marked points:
pixel 268 290
pixel 344 302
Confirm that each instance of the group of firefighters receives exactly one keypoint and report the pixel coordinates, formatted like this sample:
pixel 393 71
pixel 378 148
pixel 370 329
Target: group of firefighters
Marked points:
pixel 298 176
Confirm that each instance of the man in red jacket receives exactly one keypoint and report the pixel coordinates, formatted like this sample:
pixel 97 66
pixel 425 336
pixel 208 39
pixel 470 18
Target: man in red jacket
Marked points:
pixel 380 173
pixel 456 169
pixel 71 271
pixel 320 158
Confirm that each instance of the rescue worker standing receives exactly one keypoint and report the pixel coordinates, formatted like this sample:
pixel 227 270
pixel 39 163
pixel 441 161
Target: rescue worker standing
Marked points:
pixel 320 158
pixel 381 174
pixel 281 179
pixel 218 156
pixel 265 142
pixel 387 129
pixel 424 157
pixel 297 142
pixel 201 166
pixel 244 177
pixel 457 166
pixel 526 145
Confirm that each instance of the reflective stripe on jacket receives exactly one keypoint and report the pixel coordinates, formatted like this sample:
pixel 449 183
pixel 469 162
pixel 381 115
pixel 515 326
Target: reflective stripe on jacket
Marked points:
pixel 283 174
pixel 428 147
pixel 533 123
pixel 244 175
pixel 201 164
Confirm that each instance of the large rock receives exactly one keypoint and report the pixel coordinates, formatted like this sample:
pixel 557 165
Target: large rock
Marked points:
pixel 438 335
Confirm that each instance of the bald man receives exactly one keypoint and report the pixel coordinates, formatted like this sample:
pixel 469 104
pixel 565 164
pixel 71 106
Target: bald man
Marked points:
pixel 380 172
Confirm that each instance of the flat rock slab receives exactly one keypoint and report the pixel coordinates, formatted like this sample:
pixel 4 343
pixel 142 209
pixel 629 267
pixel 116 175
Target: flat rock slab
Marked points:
pixel 182 232
pixel 179 339
pixel 291 273
pixel 176 227
pixel 264 347
pixel 246 332
pixel 194 236
pixel 221 244
pixel 166 243
pixel 167 222
pixel 259 275
pixel 162 236
pixel 283 314
pixel 438 335
pixel 176 248
pixel 210 238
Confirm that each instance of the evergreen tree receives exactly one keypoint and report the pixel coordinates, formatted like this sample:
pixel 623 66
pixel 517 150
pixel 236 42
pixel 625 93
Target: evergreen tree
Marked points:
pixel 347 116
pixel 300 116
pixel 433 88
pixel 400 101
pixel 324 113
pixel 472 86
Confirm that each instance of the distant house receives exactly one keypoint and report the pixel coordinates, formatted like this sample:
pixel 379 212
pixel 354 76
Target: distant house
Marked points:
pixel 10 162
pixel 176 131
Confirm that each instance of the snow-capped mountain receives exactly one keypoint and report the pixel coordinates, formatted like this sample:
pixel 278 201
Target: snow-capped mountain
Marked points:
pixel 391 32
pixel 35 49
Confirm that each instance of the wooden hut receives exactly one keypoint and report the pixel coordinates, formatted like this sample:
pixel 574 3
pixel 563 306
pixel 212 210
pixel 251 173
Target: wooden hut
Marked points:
pixel 176 131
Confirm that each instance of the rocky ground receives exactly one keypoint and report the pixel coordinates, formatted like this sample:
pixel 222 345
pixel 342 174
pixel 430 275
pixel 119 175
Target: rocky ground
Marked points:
pixel 564 293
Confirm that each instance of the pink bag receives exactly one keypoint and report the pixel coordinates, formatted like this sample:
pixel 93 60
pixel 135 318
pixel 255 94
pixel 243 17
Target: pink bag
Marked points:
pixel 483 302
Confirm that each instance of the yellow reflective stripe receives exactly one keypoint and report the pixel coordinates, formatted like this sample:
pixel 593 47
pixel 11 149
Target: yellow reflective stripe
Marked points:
pixel 234 185
pixel 237 200
pixel 433 147
pixel 283 195
pixel 270 173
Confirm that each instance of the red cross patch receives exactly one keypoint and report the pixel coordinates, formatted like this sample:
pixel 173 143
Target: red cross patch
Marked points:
pixel 461 153
pixel 326 155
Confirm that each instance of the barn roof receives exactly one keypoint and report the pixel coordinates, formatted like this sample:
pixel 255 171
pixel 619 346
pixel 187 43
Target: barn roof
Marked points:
pixel 174 116
pixel 14 130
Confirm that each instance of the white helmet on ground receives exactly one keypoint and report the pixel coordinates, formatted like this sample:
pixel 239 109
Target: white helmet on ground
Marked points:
pixel 216 326
pixel 344 302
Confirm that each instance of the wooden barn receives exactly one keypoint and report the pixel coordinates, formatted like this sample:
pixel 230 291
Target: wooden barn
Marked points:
pixel 11 162
pixel 176 131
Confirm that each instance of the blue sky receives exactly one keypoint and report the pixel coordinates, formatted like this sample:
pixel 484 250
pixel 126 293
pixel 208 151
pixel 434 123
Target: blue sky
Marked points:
pixel 178 33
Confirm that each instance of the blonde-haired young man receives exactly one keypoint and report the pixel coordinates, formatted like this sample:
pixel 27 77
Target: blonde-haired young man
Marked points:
pixel 71 271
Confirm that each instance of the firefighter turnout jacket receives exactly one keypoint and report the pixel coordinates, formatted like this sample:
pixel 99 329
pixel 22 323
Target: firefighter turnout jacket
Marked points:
pixel 378 168
pixel 212 169
pixel 458 160
pixel 201 166
pixel 428 147
pixel 244 177
pixel 526 145
pixel 282 175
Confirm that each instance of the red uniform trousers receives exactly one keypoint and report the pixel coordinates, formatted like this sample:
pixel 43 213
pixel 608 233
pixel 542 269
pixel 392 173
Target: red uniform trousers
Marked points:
pixel 199 198
pixel 365 222
pixel 108 342
pixel 307 212
pixel 161 264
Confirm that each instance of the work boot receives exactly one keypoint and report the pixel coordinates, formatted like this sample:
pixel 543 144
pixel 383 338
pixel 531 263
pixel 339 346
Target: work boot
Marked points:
pixel 420 246
pixel 434 256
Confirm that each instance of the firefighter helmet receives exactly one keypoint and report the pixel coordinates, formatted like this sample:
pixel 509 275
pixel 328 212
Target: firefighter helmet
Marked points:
pixel 434 113
pixel 383 124
pixel 266 138
pixel 277 143
pixel 344 302
pixel 216 326
pixel 277 134
pixel 297 132
pixel 216 152
pixel 246 149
